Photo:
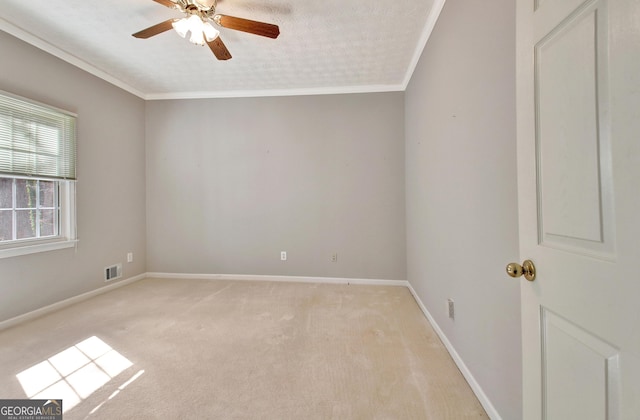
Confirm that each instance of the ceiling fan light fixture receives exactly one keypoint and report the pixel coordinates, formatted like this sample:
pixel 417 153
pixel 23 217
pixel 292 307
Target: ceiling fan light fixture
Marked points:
pixel 200 30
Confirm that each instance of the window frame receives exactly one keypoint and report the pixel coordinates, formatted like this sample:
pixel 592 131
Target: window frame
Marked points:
pixel 66 237
pixel 66 184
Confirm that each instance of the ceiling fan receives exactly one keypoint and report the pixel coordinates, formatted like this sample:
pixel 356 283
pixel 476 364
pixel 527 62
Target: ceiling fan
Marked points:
pixel 199 16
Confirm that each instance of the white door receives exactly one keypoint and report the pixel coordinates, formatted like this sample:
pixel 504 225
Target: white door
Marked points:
pixel 578 88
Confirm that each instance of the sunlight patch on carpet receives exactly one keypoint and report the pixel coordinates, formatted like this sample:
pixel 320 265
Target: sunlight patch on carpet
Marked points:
pixel 74 373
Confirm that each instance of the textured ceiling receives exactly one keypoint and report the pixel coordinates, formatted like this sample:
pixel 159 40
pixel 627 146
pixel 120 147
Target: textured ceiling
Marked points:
pixel 328 46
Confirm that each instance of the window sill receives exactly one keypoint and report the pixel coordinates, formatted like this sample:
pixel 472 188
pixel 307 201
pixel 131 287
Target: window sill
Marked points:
pixel 33 248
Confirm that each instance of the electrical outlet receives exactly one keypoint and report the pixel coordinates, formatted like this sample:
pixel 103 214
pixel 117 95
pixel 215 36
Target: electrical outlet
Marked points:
pixel 334 257
pixel 283 256
pixel 450 308
pixel 130 257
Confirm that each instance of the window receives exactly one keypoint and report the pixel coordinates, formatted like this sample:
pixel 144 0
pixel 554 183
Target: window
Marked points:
pixel 28 209
pixel 37 177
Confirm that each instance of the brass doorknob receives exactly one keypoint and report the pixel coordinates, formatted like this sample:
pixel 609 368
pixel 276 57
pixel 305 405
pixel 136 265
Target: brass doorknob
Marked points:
pixel 527 268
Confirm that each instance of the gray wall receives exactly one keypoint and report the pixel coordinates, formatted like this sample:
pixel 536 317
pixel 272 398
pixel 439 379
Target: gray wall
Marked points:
pixel 461 190
pixel 110 187
pixel 232 182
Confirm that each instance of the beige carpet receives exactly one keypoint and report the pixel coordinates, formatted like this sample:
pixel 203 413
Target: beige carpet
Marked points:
pixel 191 349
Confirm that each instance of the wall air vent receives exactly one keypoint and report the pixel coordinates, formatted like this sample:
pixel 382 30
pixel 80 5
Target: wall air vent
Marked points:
pixel 113 272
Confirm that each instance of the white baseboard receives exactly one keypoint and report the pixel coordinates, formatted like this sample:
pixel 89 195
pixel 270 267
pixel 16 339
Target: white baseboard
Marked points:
pixel 67 302
pixel 475 387
pixel 290 279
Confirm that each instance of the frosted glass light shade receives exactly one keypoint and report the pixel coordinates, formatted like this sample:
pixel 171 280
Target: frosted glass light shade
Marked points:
pixel 197 37
pixel 210 32
pixel 181 27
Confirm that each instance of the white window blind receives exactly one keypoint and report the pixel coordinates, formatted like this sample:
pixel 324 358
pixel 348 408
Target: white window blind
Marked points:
pixel 36 140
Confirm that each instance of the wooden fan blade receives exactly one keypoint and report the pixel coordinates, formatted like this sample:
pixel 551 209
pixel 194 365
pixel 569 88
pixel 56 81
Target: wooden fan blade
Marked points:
pixel 155 29
pixel 219 49
pixel 246 25
pixel 167 3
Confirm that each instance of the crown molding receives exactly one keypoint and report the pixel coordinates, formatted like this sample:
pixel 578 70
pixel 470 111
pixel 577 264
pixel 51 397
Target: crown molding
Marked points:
pixel 276 92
